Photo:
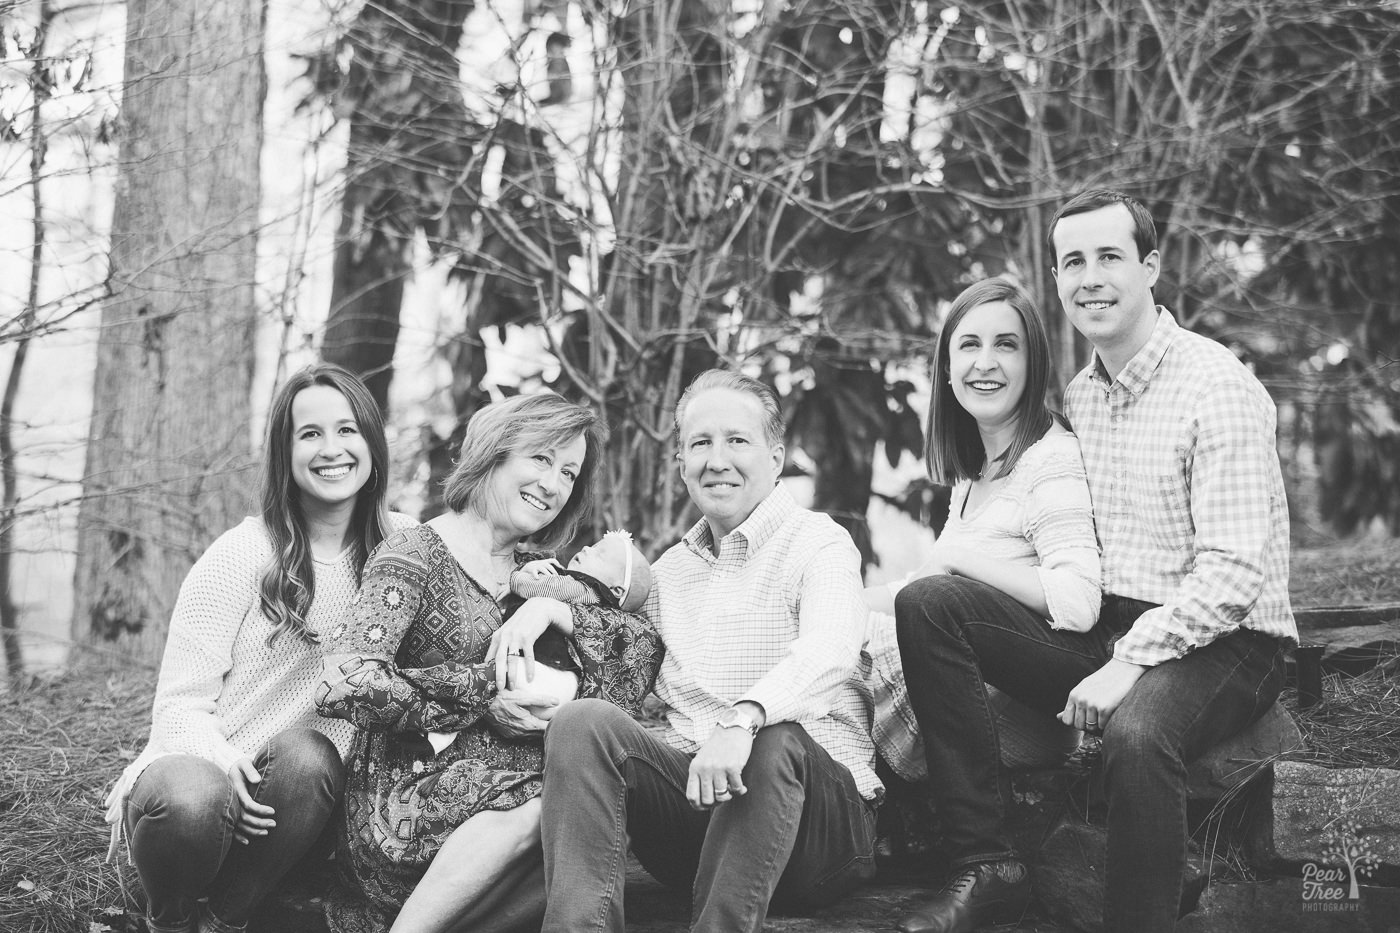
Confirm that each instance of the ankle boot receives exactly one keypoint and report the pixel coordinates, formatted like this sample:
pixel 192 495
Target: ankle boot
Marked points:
pixel 988 894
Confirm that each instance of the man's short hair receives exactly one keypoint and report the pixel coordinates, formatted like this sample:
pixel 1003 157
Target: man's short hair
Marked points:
pixel 1144 229
pixel 774 429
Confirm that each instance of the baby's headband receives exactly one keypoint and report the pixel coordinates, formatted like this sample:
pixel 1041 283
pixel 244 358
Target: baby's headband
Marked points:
pixel 626 536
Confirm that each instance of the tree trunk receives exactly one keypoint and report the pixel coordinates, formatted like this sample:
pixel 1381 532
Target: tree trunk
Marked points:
pixel 410 140
pixel 40 88
pixel 168 449
pixel 366 298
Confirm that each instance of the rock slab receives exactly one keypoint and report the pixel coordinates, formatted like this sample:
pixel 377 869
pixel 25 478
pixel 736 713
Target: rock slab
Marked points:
pixel 1328 816
pixel 1069 874
pixel 1285 905
pixel 1234 761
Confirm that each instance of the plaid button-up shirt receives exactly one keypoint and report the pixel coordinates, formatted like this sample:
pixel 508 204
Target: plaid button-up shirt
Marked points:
pixel 777 617
pixel 1188 495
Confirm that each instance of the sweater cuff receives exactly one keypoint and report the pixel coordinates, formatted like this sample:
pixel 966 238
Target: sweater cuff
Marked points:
pixel 225 755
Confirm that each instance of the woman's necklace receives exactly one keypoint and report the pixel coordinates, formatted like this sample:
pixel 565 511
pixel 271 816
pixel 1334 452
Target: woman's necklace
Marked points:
pixel 502 565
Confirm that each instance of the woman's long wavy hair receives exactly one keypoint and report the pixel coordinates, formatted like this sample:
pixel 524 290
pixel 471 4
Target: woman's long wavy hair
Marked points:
pixel 289 582
pixel 953 447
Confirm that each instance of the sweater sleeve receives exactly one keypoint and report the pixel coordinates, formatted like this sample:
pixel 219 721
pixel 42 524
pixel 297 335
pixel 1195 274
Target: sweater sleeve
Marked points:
pixel 219 592
pixel 361 681
pixel 1059 523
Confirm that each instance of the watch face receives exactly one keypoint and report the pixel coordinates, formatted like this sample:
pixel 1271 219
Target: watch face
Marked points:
pixel 733 717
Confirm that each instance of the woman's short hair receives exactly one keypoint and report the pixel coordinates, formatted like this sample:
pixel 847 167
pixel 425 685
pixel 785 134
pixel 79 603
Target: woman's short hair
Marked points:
pixel 953 449
pixel 774 429
pixel 289 581
pixel 530 423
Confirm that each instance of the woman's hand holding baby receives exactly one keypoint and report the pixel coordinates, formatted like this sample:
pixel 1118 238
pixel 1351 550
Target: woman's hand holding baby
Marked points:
pixel 516 638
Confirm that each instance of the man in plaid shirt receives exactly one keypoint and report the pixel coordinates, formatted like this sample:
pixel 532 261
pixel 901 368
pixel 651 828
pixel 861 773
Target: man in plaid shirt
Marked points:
pixel 1178 443
pixel 762 786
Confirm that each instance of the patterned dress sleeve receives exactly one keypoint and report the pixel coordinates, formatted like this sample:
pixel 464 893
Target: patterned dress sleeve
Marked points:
pixel 620 654
pixel 361 681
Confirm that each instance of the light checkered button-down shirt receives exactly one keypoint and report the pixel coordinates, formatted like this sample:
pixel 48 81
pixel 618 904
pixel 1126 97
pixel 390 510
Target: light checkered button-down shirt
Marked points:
pixel 776 618
pixel 1188 495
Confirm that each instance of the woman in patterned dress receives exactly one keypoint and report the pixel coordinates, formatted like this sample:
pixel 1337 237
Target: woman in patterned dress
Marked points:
pixel 444 778
pixel 240 775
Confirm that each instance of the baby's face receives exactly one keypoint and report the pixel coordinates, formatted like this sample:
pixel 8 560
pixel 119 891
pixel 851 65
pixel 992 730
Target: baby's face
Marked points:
pixel 605 561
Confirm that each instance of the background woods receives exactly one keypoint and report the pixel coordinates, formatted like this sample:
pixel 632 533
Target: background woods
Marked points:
pixel 608 197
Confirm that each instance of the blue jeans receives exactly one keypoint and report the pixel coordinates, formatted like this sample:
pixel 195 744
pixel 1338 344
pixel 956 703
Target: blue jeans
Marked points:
pixel 954 633
pixel 801 837
pixel 180 820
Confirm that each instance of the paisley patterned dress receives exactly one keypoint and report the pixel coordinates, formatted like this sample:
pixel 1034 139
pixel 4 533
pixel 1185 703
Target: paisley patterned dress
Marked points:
pixel 416 639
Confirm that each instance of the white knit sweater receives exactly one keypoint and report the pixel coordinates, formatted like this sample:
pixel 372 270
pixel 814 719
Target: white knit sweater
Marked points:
pixel 223 690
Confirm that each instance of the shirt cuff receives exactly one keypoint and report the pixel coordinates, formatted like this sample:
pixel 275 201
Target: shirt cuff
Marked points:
pixel 1150 641
pixel 777 707
pixel 1073 601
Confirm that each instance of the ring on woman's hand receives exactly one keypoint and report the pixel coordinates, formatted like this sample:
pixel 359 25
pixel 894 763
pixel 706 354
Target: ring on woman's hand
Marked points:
pixel 518 652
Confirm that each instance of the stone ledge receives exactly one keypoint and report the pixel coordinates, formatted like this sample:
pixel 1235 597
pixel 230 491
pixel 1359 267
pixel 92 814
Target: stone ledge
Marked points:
pixel 1316 809
pixel 1271 907
pixel 1069 872
pixel 1231 763
pixel 653 908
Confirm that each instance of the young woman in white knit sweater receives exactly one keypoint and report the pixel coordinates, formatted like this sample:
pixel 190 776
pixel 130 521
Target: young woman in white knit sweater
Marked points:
pixel 240 773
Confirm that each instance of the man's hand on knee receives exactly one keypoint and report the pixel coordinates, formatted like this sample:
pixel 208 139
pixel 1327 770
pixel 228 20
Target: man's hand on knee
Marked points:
pixel 717 770
pixel 1097 696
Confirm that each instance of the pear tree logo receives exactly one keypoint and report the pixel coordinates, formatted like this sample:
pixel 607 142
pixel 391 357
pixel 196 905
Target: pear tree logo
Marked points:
pixel 1335 885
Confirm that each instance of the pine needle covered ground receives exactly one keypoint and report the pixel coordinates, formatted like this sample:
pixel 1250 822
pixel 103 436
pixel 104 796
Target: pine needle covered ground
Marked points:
pixel 65 738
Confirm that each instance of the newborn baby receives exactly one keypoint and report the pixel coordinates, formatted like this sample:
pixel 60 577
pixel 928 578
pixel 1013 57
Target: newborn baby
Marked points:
pixel 613 572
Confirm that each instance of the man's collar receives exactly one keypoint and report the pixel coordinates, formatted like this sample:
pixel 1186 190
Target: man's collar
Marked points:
pixel 763 522
pixel 1138 373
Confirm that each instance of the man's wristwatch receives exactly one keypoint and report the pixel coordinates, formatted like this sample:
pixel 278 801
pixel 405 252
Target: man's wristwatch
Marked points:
pixel 735 718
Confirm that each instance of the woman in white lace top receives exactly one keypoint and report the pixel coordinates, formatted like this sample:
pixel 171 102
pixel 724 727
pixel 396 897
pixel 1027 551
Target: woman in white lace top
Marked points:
pixel 1019 519
pixel 240 773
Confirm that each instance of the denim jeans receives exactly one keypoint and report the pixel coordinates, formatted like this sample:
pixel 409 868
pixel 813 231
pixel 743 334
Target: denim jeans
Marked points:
pixel 180 820
pixel 954 633
pixel 801 837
